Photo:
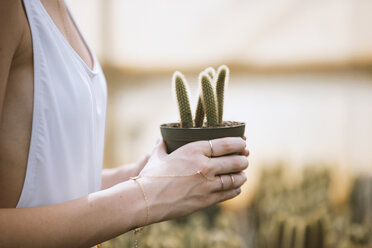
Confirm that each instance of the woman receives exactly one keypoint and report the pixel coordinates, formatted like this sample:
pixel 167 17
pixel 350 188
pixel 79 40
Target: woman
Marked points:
pixel 53 192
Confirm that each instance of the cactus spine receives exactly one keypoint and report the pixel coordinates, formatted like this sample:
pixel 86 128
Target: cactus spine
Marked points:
pixel 209 100
pixel 199 114
pixel 181 89
pixel 222 78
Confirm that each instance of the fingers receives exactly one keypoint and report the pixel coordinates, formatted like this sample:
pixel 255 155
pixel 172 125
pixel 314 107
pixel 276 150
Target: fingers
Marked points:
pixel 228 164
pixel 220 147
pixel 227 182
pixel 226 195
pixel 246 152
pixel 227 146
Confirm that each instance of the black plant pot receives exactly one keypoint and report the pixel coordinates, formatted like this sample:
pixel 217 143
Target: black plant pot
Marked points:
pixel 176 137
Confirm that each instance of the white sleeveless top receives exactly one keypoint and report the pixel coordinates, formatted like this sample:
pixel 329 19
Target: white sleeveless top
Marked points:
pixel 67 141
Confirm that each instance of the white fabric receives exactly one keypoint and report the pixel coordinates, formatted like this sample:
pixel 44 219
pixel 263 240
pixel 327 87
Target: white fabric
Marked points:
pixel 66 151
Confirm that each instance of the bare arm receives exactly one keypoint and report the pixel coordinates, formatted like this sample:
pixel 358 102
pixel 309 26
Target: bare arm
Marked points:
pixel 79 223
pixel 113 176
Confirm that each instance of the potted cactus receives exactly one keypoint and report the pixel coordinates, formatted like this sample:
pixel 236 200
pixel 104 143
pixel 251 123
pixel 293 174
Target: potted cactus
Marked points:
pixel 207 123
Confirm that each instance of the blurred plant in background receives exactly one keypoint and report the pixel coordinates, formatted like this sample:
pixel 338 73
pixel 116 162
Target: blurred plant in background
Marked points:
pixel 285 213
pixel 193 231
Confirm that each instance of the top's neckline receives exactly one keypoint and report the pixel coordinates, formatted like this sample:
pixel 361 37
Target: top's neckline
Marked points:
pixel 92 71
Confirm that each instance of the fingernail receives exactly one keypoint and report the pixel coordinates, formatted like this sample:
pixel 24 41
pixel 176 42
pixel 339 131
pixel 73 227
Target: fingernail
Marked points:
pixel 238 191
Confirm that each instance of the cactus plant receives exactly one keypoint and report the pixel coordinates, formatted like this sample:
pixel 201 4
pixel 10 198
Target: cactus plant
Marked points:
pixel 209 100
pixel 211 72
pixel 182 94
pixel 222 78
pixel 199 113
pixel 210 103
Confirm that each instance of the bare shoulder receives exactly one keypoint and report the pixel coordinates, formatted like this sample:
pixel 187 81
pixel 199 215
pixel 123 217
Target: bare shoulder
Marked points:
pixel 12 25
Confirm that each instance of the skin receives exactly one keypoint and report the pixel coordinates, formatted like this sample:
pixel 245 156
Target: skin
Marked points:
pixel 120 205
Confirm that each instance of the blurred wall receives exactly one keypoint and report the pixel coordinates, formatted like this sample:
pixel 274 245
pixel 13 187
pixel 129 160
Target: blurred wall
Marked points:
pixel 301 72
pixel 161 34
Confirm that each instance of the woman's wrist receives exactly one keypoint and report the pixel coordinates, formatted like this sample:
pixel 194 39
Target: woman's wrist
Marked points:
pixel 152 209
pixel 125 204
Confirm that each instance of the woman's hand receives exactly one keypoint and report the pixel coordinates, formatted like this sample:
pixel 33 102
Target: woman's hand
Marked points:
pixel 105 214
pixel 188 180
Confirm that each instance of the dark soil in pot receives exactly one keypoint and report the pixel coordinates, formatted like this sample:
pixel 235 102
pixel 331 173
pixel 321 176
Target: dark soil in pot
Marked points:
pixel 175 137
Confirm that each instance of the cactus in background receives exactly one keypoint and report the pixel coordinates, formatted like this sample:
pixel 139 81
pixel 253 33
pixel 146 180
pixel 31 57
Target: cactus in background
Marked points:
pixel 182 94
pixel 315 230
pixel 293 234
pixel 361 201
pixel 298 232
pixel 294 215
pixel 209 100
pixel 222 78
pixel 277 218
pixel 358 236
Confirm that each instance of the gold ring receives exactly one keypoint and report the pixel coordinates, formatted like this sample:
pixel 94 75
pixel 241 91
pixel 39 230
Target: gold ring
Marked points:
pixel 210 144
pixel 232 180
pixel 222 184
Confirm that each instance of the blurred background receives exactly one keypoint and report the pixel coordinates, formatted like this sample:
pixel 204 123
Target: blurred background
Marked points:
pixel 301 79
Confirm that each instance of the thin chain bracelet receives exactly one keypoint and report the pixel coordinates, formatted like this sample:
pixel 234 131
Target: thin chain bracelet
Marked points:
pixel 139 229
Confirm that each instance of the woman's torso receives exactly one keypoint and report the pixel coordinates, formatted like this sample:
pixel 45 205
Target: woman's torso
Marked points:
pixel 52 130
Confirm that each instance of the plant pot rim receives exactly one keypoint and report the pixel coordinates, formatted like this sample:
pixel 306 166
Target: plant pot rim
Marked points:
pixel 236 124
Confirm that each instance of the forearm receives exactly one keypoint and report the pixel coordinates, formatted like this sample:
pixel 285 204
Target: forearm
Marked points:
pixel 113 176
pixel 79 223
